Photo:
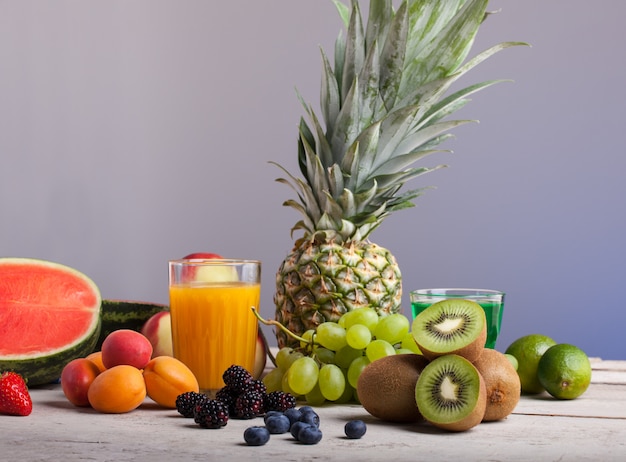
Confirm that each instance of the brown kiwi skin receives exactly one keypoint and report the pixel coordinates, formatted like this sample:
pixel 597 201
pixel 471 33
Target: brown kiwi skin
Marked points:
pixel 386 387
pixel 502 384
pixel 471 352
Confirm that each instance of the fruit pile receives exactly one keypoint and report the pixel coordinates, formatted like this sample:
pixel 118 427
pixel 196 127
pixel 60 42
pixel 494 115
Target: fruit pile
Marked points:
pixel 118 378
pixel 455 384
pixel 242 397
pixel 561 369
pixel 327 365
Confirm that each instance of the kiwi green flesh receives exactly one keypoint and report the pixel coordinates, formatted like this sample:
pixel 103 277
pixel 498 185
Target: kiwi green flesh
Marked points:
pixel 454 326
pixel 450 393
pixel 386 387
pixel 502 384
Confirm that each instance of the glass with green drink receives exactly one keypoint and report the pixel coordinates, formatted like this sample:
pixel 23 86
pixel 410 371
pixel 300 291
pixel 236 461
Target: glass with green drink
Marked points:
pixel 492 302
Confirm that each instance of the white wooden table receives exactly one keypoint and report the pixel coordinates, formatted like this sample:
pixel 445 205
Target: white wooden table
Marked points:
pixel 590 428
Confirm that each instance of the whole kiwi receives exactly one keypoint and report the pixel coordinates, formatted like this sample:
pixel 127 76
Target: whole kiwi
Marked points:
pixel 502 384
pixel 386 387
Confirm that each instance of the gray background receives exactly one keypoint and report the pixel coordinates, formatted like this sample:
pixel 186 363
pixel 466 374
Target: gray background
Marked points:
pixel 133 132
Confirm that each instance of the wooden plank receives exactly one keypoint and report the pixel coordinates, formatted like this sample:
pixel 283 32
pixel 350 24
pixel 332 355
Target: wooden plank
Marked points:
pixel 600 401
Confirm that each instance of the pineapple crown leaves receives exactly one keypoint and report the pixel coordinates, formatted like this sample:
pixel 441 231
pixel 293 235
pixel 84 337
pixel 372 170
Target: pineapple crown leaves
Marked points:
pixel 384 103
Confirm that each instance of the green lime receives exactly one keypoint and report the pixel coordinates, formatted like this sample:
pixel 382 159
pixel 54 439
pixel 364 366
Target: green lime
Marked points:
pixel 564 371
pixel 528 351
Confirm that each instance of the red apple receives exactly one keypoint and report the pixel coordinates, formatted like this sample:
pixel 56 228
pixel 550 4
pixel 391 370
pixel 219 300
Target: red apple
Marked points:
pixel 260 358
pixel 201 256
pixel 158 329
pixel 209 273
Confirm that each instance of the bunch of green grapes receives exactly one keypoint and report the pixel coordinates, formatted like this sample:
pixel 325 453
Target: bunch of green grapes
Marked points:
pixel 330 359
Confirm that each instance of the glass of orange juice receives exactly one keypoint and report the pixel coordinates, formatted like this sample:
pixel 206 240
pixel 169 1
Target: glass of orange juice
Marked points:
pixel 213 326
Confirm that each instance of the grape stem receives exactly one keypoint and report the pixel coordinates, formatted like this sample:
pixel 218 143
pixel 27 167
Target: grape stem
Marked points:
pixel 279 325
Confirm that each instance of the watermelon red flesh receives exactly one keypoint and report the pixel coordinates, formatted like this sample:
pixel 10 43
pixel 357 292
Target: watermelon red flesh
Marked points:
pixel 49 314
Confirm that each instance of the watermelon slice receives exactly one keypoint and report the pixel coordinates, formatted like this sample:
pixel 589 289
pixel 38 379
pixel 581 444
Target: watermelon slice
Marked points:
pixel 49 315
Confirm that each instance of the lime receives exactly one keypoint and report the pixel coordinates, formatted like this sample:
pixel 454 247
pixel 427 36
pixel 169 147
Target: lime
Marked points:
pixel 528 351
pixel 564 371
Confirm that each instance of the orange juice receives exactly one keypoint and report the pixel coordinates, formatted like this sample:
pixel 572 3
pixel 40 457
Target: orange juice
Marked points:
pixel 213 327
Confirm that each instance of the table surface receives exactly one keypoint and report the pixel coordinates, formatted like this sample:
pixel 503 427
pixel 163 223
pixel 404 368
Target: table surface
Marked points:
pixel 591 427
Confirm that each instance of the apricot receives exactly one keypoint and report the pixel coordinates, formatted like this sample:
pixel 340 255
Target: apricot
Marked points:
pixel 166 378
pixel 117 390
pixel 96 357
pixel 126 346
pixel 76 378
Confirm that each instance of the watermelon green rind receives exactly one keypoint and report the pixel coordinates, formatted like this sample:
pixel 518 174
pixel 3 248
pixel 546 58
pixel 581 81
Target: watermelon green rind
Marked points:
pixel 125 314
pixel 47 369
pixel 45 366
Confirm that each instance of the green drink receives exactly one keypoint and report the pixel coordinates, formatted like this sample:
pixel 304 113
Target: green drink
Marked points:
pixel 492 302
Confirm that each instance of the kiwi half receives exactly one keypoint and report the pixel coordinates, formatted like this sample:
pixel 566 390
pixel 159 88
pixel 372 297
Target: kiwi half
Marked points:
pixel 501 382
pixel 450 393
pixel 386 387
pixel 452 326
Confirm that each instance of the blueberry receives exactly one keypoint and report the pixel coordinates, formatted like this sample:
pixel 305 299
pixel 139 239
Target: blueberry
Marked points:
pixel 293 414
pixel 306 409
pixel 270 414
pixel 309 434
pixel 256 436
pixel 296 427
pixel 311 418
pixel 355 429
pixel 277 424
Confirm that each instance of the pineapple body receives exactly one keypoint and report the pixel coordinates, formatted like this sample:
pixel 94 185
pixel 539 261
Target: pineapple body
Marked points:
pixel 320 281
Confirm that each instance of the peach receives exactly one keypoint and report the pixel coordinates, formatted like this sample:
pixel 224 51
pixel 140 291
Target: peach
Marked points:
pixel 158 330
pixel 126 346
pixel 117 390
pixel 96 357
pixel 76 378
pixel 166 378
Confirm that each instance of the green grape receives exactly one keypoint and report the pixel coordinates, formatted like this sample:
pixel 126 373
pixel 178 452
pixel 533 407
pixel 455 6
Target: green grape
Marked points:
pixel 302 375
pixel 331 335
pixel 332 382
pixel 355 369
pixel 392 328
pixel 358 336
pixel 273 379
pixel 345 356
pixel 404 351
pixel 364 316
pixel 324 355
pixel 315 397
pixel 308 336
pixel 348 393
pixel 286 356
pixel 408 342
pixel 285 386
pixel 379 349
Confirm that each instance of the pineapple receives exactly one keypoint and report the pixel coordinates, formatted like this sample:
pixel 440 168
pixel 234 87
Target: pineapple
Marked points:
pixel 383 106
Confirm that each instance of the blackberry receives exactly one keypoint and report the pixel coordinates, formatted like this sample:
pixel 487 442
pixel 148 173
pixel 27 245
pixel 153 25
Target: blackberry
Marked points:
pixel 256 385
pixel 227 396
pixel 236 378
pixel 211 413
pixel 186 402
pixel 279 401
pixel 249 404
